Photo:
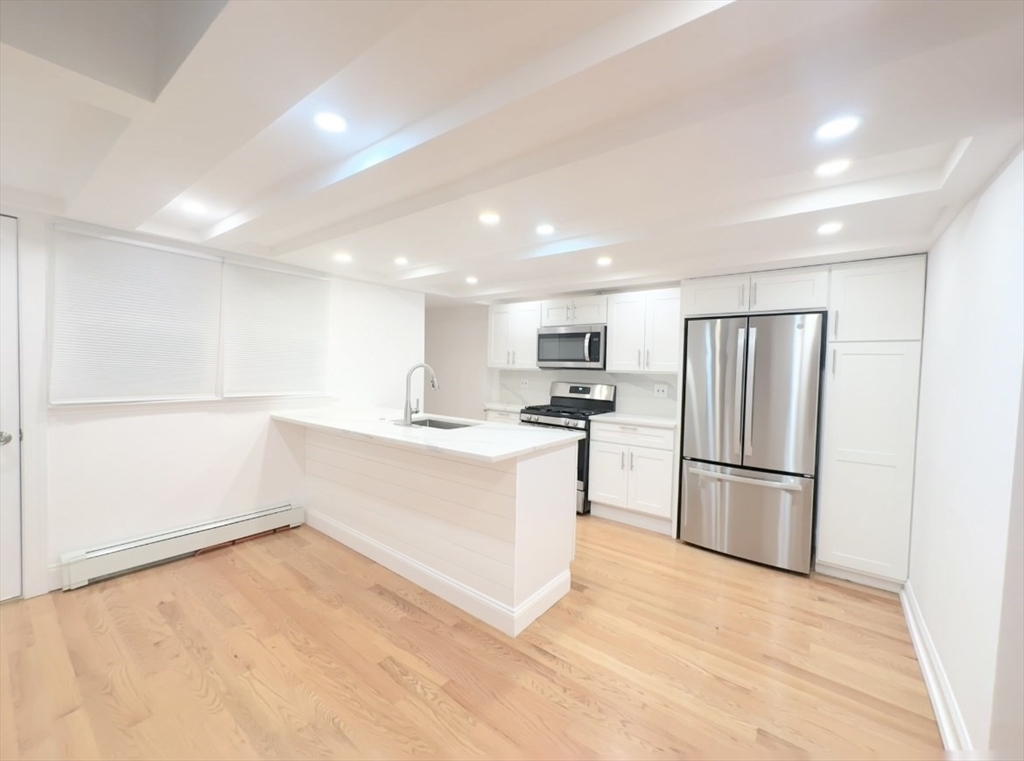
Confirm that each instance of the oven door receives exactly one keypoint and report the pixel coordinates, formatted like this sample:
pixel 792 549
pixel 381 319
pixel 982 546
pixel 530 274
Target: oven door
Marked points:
pixel 579 347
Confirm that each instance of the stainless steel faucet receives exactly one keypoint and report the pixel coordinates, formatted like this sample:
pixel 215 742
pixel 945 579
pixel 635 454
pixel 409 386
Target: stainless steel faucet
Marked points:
pixel 407 417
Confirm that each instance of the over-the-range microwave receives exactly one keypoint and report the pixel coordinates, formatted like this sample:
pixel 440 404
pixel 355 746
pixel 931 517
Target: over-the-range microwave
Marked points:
pixel 576 347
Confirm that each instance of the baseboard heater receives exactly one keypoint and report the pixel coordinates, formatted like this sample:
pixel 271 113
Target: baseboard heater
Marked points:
pixel 82 567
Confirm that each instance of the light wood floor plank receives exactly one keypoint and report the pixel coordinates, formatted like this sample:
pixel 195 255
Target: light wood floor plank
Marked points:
pixel 293 646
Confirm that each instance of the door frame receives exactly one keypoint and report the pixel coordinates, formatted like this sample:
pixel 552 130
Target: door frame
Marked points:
pixel 15 430
pixel 34 261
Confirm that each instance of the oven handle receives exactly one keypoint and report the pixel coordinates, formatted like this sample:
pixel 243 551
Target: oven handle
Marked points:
pixel 586 347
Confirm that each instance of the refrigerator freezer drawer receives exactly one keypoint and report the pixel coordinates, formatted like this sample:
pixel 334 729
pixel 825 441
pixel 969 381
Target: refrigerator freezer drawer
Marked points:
pixel 758 516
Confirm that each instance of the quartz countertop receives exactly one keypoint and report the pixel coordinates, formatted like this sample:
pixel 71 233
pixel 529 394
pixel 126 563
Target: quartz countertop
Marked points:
pixel 487 442
pixel 622 418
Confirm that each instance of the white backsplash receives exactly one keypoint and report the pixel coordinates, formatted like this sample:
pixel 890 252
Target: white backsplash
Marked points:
pixel 634 393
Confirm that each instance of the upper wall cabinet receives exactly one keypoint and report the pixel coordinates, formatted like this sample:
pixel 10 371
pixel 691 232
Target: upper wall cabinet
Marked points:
pixel 586 310
pixel 512 335
pixel 786 290
pixel 643 332
pixel 777 291
pixel 881 300
pixel 717 295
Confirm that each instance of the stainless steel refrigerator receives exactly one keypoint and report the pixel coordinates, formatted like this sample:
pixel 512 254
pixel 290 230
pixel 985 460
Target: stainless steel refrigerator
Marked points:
pixel 750 433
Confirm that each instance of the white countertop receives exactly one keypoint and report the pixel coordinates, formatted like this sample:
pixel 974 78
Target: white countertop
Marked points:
pixel 503 407
pixel 623 418
pixel 489 442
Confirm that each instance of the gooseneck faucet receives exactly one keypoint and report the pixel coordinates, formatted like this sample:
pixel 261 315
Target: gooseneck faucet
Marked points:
pixel 407 417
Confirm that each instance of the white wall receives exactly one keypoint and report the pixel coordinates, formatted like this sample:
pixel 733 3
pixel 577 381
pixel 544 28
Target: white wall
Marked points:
pixel 1008 698
pixel 967 439
pixel 103 473
pixel 456 347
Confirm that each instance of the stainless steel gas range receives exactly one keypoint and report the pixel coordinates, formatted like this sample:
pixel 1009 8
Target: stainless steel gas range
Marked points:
pixel 572 405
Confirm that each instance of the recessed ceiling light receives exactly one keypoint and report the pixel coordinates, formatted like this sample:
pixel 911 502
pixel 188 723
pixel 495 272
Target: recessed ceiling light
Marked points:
pixel 545 229
pixel 343 256
pixel 471 280
pixel 490 218
pixel 604 261
pixel 331 122
pixel 193 207
pixel 837 128
pixel 832 168
pixel 830 228
pixel 401 261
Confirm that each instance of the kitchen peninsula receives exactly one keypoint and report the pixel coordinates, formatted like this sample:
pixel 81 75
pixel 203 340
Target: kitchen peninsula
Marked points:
pixel 481 514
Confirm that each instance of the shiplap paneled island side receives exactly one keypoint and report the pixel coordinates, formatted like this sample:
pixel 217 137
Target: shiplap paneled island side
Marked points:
pixel 482 516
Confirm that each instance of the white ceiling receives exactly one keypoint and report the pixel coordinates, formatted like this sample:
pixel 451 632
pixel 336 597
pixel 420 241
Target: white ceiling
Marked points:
pixel 675 137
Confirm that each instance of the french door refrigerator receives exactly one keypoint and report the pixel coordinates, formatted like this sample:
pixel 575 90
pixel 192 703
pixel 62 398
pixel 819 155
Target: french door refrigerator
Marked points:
pixel 750 431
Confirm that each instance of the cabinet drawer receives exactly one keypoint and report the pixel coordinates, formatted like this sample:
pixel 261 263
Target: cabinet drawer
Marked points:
pixel 632 435
pixel 498 416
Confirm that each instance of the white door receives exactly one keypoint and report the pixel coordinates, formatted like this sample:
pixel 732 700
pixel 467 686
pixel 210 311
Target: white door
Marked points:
pixel 650 481
pixel 10 416
pixel 880 300
pixel 498 352
pixel 524 319
pixel 786 290
pixel 609 477
pixel 717 295
pixel 590 310
pixel 867 468
pixel 627 313
pixel 555 312
pixel 662 345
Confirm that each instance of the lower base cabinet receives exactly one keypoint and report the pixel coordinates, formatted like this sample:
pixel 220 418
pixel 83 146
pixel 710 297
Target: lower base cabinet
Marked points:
pixel 500 416
pixel 634 478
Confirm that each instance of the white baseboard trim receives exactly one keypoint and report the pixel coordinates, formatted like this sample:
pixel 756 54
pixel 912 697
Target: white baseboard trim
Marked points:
pixel 505 618
pixel 631 518
pixel 858 578
pixel 952 727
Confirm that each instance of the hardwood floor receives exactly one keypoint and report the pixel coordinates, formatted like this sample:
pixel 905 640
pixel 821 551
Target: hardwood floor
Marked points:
pixel 292 646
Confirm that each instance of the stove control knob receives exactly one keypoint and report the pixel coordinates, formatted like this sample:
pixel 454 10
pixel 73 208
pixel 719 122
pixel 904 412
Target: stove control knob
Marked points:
pixel 532 418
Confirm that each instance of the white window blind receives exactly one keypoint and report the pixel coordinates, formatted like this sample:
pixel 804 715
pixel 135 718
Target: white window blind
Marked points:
pixel 275 332
pixel 132 323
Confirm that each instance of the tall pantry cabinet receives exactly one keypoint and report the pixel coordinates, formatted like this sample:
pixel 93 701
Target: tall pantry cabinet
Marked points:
pixel 869 421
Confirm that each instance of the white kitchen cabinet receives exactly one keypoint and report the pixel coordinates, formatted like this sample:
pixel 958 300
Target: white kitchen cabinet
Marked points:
pixel 500 416
pixel 717 295
pixel 582 310
pixel 879 300
pixel 608 481
pixel 650 481
pixel 788 290
pixel 631 467
pixel 512 335
pixel 866 474
pixel 643 332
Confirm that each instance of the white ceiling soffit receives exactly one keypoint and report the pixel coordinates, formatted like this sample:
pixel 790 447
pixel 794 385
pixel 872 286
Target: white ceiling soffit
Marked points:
pixel 674 137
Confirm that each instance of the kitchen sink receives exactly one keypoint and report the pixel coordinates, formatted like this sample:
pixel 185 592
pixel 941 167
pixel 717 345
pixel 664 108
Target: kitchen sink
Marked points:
pixel 431 423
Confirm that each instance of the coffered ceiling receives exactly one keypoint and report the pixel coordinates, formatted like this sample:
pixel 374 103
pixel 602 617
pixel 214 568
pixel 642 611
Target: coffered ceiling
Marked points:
pixel 676 139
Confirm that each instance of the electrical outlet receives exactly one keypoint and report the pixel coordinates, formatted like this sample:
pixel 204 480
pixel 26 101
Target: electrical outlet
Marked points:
pixel 524 383
pixel 661 390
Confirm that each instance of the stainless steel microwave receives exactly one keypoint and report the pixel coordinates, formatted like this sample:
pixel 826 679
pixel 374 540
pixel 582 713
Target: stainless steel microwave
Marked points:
pixel 577 347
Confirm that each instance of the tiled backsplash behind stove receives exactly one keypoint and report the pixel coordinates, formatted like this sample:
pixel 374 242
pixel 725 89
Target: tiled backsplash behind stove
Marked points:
pixel 634 393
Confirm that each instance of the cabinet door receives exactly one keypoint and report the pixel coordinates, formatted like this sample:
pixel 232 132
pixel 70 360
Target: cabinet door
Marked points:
pixel 880 300
pixel 609 477
pixel 661 352
pixel 499 354
pixel 650 481
pixel 556 312
pixel 717 295
pixel 627 315
pixel 789 290
pixel 866 476
pixel 522 330
pixel 590 310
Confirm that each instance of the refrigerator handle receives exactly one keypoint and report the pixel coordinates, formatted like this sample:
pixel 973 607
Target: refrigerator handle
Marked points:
pixel 748 423
pixel 741 338
pixel 743 480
